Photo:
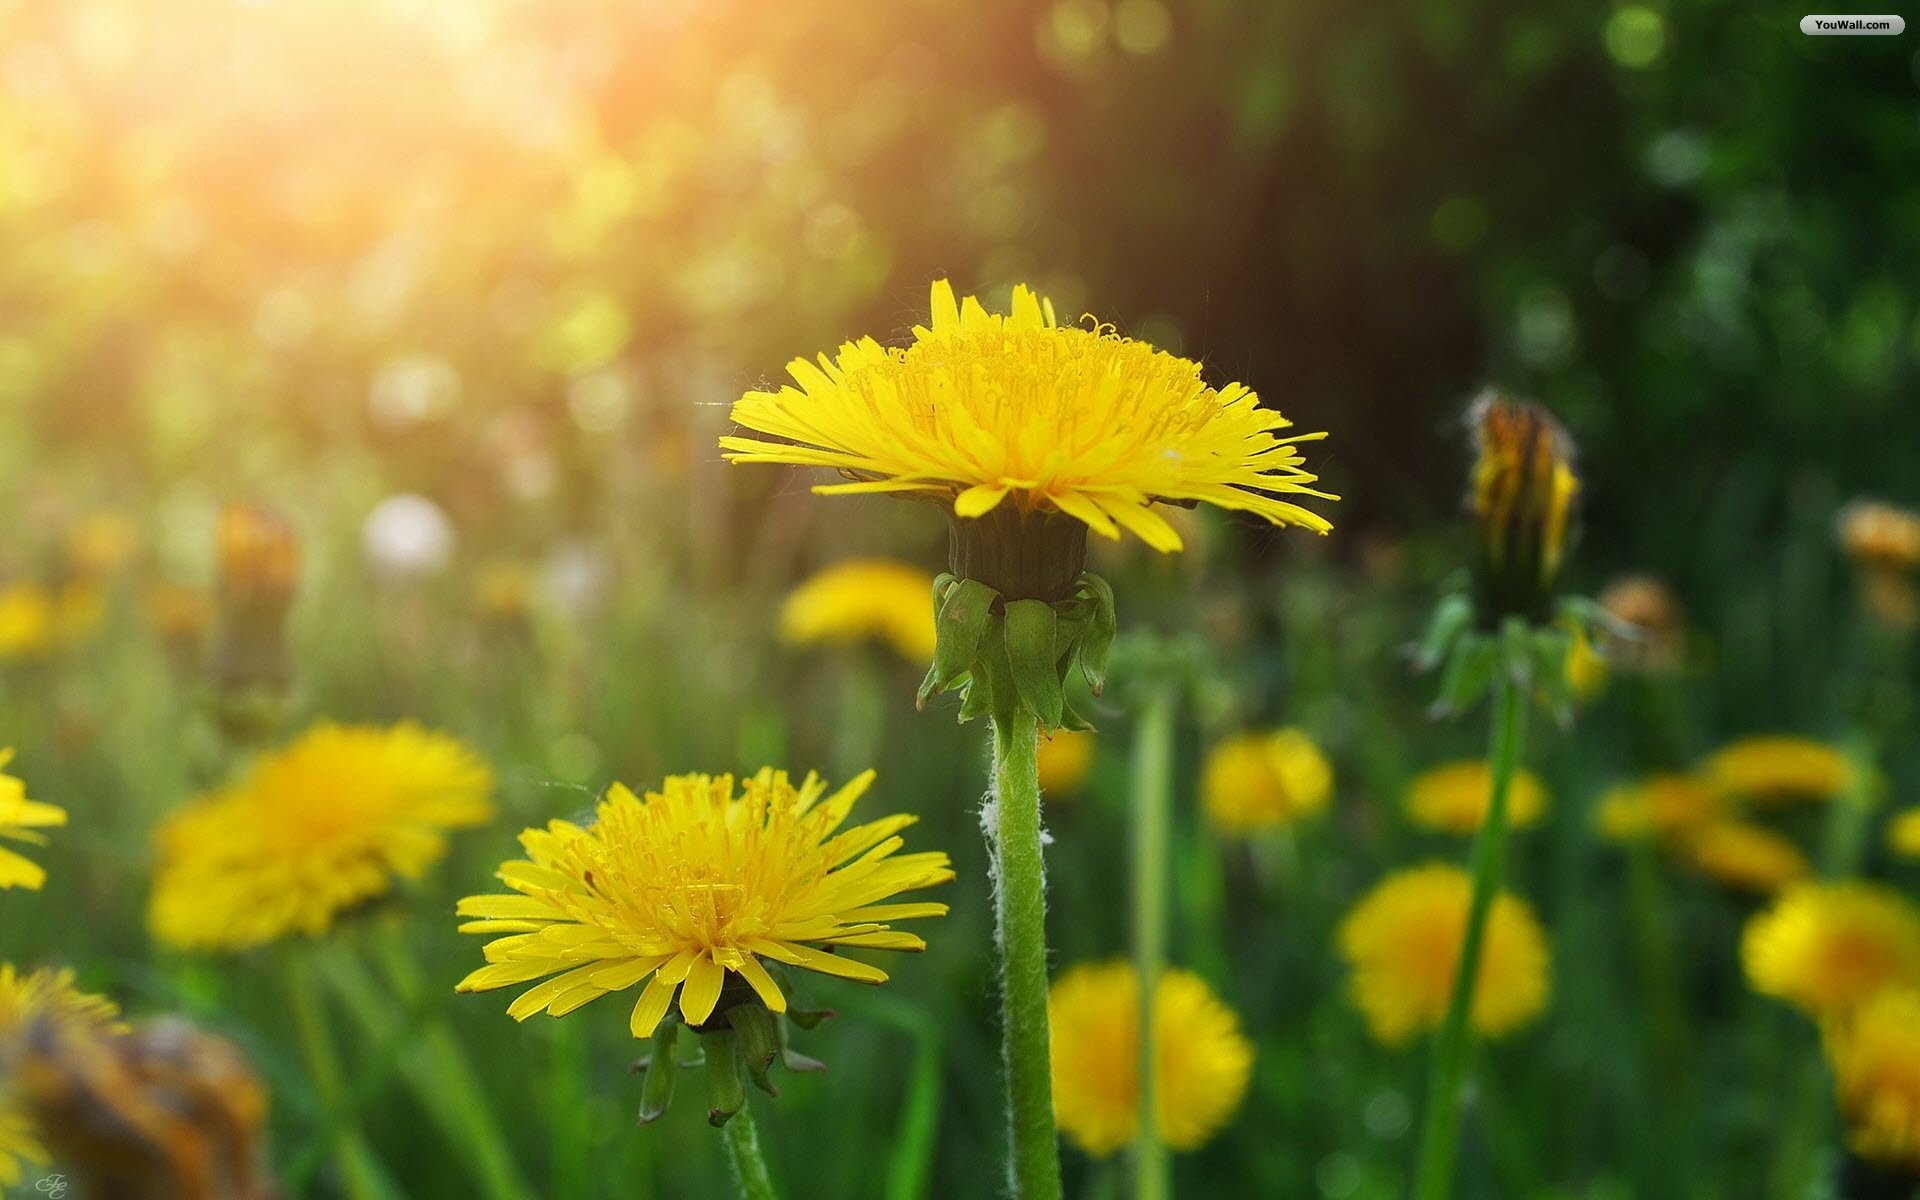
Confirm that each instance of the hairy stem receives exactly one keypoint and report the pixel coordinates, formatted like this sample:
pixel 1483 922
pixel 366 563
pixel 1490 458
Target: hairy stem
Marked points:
pixel 743 1153
pixel 1020 929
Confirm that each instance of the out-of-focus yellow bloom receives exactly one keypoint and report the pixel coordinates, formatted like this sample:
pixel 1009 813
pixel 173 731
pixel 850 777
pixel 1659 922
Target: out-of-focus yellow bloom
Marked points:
pixel 1826 947
pixel 21 820
pixel 1880 536
pixel 1876 1076
pixel 503 591
pixel 1903 834
pixel 29 622
pixel 1201 1067
pixel 178 613
pixel 984 408
pixel 1743 855
pixel 1522 499
pixel 259 557
pixel 852 601
pixel 311 832
pixel 1403 942
pixel 28 999
pixel 102 544
pixel 693 884
pixel 1453 798
pixel 1586 667
pixel 1667 807
pixel 1256 781
pixel 1065 759
pixel 1658 643
pixel 1779 768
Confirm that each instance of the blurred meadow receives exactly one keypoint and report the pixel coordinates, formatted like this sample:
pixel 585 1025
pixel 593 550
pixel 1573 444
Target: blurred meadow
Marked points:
pixel 449 299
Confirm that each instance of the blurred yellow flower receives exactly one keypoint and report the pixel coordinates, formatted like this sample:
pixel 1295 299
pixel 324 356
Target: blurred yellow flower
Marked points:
pixel 983 408
pixel 102 544
pixel 1201 1068
pixel 1667 807
pixel 503 591
pixel 21 820
pixel 27 999
pixel 694 884
pixel 1903 834
pixel 1453 798
pixel 1586 667
pixel 1403 942
pixel 312 832
pixel 29 622
pixel 1743 855
pixel 1880 536
pixel 1779 768
pixel 1876 1075
pixel 852 601
pixel 1826 947
pixel 1256 781
pixel 1065 760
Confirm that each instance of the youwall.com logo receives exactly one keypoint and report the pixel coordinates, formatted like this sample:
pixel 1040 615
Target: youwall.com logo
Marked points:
pixel 1852 23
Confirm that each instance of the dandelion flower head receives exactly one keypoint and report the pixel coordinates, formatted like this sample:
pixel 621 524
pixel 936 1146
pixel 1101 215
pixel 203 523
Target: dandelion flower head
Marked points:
pixel 1258 781
pixel 890 602
pixel 1453 798
pixel 1825 948
pixel 21 820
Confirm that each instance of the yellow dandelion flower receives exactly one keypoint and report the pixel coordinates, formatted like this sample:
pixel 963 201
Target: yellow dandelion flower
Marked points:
pixel 695 884
pixel 1403 942
pixel 21 820
pixel 1746 856
pixel 984 408
pixel 1201 1068
pixel 311 832
pixel 1825 948
pixel 42 995
pixel 1876 1075
pixel 1666 807
pixel 29 622
pixel 852 601
pixel 1065 760
pixel 1903 834
pixel 1880 536
pixel 1261 781
pixel 1453 798
pixel 1779 768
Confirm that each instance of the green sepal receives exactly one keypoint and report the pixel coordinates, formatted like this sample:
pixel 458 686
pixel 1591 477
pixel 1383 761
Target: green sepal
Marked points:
pixel 1102 624
pixel 759 1042
pixel 726 1094
pixel 793 1060
pixel 1072 720
pixel 809 1018
pixel 1031 626
pixel 1450 619
pixel 656 1090
pixel 960 622
pixel 1469 674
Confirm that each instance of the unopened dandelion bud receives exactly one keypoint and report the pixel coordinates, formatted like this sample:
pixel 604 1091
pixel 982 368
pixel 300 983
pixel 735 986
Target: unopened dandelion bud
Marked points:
pixel 726 1094
pixel 759 1042
pixel 1010 655
pixel 259 565
pixel 1521 500
pixel 656 1091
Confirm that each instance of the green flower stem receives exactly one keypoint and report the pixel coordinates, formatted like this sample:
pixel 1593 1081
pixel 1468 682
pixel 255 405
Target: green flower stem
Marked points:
pixel 1440 1135
pixel 750 1172
pixel 443 1078
pixel 359 1173
pixel 1020 927
pixel 1152 818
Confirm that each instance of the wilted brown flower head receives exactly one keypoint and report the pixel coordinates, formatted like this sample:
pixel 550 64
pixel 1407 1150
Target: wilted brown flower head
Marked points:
pixel 1658 643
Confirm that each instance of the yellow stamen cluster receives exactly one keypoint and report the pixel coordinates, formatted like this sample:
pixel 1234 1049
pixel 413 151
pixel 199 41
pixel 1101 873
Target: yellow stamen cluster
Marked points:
pixel 312 832
pixel 983 408
pixel 693 884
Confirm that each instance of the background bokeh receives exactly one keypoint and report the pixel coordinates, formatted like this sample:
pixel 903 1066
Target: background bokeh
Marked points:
pixel 518 257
